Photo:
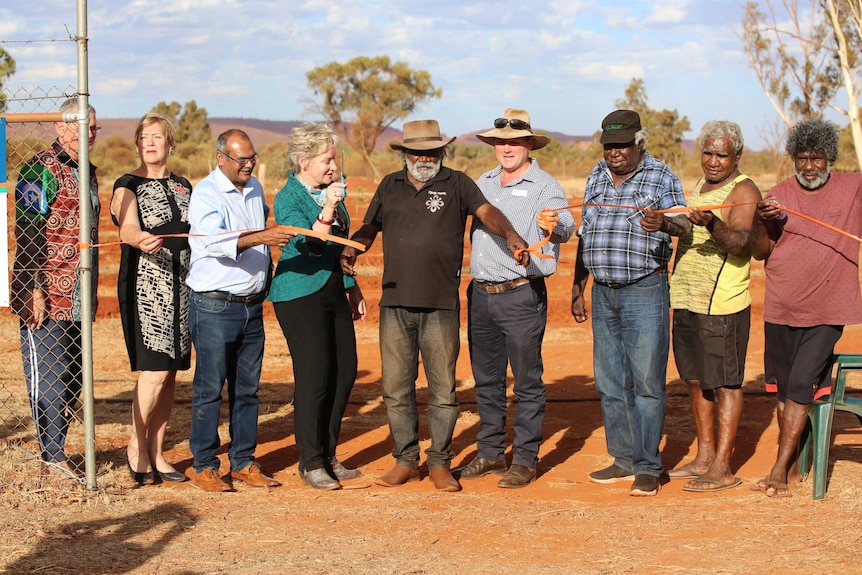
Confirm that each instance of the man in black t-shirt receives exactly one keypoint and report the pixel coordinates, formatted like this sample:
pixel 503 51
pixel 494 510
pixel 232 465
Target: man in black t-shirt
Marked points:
pixel 423 211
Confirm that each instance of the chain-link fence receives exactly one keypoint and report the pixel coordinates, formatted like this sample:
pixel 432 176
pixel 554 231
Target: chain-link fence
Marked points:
pixel 39 394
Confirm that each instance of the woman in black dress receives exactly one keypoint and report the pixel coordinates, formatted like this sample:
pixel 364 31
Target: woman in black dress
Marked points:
pixel 148 204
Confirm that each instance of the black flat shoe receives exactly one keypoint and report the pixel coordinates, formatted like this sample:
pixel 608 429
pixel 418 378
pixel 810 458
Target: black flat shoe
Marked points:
pixel 140 477
pixel 172 476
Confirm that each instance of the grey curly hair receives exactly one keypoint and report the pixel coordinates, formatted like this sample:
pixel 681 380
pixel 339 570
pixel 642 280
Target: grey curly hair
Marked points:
pixel 307 141
pixel 722 129
pixel 813 136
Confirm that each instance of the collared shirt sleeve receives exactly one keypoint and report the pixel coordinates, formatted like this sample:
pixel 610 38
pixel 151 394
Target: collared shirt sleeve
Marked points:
pixel 616 248
pixel 521 202
pixel 209 217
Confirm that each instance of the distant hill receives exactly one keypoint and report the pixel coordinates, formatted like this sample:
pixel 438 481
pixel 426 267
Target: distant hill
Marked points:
pixel 261 132
pixel 266 132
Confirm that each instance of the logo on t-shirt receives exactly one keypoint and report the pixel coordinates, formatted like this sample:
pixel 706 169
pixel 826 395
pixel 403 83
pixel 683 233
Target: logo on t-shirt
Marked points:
pixel 435 202
pixel 31 197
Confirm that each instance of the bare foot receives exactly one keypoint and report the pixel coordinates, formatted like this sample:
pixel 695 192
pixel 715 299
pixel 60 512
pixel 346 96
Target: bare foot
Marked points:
pixel 687 471
pixel 759 485
pixel 793 475
pixel 775 489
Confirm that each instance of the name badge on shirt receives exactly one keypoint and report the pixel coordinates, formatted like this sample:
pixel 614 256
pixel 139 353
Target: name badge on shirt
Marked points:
pixel 519 193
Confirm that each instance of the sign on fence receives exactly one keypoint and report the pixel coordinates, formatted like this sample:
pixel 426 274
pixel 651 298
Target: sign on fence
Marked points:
pixel 4 238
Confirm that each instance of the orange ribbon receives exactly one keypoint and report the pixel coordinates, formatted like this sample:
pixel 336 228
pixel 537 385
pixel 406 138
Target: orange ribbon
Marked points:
pixel 294 229
pixel 535 249
pixel 676 210
pixel 824 224
pixel 683 209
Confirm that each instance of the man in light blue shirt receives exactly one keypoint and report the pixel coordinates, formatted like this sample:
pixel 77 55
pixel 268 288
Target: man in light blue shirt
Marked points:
pixel 508 301
pixel 229 275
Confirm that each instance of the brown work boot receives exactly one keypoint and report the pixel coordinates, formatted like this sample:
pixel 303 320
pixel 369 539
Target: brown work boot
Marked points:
pixel 209 480
pixel 480 467
pixel 442 479
pixel 398 475
pixel 252 475
pixel 518 476
pixel 61 474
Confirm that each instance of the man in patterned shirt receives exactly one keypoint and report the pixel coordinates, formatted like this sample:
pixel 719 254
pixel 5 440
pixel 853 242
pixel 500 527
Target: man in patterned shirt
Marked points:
pixel 508 307
pixel 46 289
pixel 422 211
pixel 631 331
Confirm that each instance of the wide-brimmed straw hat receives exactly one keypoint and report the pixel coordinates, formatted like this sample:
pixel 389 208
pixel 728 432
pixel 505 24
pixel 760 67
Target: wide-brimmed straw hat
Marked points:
pixel 421 135
pixel 514 124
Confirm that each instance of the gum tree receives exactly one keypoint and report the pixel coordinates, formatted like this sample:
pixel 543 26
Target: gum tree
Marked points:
pixel 365 96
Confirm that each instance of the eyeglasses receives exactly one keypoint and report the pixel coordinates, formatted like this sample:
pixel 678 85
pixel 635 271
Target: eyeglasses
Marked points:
pixel 242 161
pixel 515 123
pixel 91 129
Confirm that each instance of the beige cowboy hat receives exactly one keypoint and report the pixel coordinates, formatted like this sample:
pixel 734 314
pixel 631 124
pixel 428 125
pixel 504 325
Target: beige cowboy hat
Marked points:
pixel 421 135
pixel 514 124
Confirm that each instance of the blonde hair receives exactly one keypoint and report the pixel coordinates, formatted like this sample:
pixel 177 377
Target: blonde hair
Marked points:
pixel 307 141
pixel 154 118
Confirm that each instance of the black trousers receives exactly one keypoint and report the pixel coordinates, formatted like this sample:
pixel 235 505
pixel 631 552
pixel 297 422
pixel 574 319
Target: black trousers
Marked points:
pixel 322 343
pixel 507 330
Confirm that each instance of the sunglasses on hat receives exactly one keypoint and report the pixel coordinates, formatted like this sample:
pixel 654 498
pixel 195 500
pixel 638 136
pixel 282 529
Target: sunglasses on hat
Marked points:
pixel 515 123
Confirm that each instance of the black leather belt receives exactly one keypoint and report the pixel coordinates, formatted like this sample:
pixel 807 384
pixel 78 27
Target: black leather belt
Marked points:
pixel 229 297
pixel 498 288
pixel 615 285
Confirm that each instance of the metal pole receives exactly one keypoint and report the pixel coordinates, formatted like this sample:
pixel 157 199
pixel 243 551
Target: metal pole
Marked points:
pixel 86 264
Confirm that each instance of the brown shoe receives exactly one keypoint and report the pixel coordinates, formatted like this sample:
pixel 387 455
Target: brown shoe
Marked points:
pixel 61 474
pixel 480 467
pixel 209 480
pixel 398 475
pixel 517 476
pixel 253 476
pixel 443 480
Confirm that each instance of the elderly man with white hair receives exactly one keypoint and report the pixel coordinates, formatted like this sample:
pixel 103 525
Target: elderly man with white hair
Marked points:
pixel 422 211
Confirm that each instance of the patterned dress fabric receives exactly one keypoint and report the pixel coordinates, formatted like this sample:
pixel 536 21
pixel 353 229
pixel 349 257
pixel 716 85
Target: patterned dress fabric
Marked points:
pixel 152 293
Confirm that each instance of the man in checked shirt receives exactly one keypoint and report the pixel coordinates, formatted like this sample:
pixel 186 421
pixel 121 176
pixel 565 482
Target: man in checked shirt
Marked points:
pixel 508 301
pixel 631 323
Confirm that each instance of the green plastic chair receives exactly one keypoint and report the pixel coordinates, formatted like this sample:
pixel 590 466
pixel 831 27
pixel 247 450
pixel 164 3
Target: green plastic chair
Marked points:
pixel 819 436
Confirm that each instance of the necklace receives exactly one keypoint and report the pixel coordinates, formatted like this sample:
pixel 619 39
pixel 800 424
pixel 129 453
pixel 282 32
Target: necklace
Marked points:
pixel 168 184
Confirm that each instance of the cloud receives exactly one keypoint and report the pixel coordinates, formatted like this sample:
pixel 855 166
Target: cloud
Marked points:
pixel 565 61
pixel 667 12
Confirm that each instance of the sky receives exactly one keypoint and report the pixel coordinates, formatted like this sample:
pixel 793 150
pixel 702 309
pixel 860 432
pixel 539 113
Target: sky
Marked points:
pixel 565 61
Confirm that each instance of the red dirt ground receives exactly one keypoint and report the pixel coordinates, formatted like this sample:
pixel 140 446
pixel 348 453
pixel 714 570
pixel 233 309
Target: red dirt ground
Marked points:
pixel 560 524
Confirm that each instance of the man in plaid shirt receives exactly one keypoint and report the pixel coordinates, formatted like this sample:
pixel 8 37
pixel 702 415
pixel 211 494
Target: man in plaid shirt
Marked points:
pixel 626 246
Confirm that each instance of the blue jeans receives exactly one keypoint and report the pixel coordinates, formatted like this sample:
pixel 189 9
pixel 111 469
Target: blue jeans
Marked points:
pixel 631 339
pixel 508 328
pixel 404 334
pixel 228 339
pixel 52 367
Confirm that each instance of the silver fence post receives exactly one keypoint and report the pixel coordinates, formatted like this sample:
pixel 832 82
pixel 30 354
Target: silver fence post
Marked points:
pixel 87 286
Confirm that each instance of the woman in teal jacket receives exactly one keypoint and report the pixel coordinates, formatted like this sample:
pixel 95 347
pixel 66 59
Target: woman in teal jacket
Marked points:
pixel 316 304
